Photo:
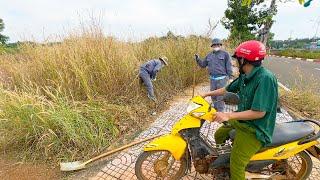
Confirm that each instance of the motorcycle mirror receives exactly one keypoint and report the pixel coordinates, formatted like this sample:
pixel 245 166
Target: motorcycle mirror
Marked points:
pixel 231 98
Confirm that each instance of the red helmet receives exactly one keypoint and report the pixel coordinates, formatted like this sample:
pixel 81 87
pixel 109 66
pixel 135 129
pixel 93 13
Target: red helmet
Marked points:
pixel 251 51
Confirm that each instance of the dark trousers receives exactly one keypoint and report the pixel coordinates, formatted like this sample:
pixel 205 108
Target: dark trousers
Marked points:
pixel 145 77
pixel 217 100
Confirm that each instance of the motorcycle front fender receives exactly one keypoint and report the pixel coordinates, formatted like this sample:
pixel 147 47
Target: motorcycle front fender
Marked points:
pixel 175 144
pixel 186 122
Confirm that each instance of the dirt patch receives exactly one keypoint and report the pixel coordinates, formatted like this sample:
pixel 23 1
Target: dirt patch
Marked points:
pixel 11 170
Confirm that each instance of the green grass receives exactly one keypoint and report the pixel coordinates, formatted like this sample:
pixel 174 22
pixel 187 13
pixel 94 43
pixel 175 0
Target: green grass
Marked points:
pixel 57 128
pixel 307 54
pixel 72 99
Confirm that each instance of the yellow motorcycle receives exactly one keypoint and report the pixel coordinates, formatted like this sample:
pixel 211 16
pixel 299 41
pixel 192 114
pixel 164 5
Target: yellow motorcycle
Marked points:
pixel 171 156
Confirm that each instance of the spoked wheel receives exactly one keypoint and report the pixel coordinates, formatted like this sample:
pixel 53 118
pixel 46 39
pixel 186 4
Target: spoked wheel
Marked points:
pixel 159 165
pixel 299 166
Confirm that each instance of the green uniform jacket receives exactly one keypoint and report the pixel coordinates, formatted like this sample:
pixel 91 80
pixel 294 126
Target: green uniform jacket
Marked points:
pixel 258 91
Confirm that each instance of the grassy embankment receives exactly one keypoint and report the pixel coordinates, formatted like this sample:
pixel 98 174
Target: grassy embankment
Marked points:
pixel 72 99
pixel 305 54
pixel 305 102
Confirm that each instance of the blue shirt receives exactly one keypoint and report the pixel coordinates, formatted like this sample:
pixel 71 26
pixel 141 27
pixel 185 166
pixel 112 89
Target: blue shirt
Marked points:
pixel 218 63
pixel 152 67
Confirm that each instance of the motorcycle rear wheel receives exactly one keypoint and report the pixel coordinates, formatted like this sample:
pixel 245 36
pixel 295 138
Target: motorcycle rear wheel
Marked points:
pixel 154 165
pixel 301 164
pixel 298 167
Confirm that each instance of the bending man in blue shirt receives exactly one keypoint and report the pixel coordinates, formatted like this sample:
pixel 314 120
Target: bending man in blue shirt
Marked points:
pixel 148 72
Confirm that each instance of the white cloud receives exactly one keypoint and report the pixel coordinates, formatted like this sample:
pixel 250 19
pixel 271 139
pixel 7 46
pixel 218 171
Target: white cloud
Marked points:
pixel 40 18
pixel 137 18
pixel 295 20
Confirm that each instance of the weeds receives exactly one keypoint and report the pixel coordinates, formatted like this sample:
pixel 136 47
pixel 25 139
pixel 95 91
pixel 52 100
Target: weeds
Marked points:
pixel 71 99
pixel 305 96
pixel 306 102
pixel 58 128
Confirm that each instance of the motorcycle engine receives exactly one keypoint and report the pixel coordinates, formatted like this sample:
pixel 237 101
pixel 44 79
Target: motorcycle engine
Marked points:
pixel 201 154
pixel 202 165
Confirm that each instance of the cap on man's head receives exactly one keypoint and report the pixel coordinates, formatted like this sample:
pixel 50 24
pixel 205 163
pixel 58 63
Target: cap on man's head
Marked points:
pixel 216 41
pixel 164 59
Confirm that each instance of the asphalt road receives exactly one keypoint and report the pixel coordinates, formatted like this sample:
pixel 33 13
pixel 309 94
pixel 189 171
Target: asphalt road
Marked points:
pixel 295 73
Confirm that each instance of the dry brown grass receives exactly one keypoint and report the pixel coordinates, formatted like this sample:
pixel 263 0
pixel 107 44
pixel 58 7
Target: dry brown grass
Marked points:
pixel 72 99
pixel 306 102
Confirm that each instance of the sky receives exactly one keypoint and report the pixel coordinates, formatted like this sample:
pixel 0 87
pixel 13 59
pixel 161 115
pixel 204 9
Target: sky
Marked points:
pixel 41 20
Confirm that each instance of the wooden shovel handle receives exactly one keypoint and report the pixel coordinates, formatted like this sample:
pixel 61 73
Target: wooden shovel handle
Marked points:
pixel 121 148
pixel 194 71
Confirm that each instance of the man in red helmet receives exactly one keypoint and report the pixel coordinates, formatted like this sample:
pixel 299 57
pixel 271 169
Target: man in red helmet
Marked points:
pixel 255 118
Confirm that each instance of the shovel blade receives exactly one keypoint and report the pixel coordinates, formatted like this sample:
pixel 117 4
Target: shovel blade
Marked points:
pixel 72 166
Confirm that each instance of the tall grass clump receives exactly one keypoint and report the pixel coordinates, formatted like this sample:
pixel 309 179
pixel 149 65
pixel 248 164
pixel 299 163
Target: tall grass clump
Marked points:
pixel 304 101
pixel 71 99
pixel 304 97
pixel 56 127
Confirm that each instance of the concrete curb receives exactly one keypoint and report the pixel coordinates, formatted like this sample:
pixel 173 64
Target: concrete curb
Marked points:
pixel 284 87
pixel 303 59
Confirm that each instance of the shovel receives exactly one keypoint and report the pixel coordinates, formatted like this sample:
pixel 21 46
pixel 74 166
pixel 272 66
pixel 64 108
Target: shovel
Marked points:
pixel 194 71
pixel 77 165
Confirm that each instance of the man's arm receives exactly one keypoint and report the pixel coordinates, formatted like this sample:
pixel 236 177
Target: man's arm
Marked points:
pixel 156 69
pixel 153 75
pixel 233 87
pixel 247 115
pixel 202 63
pixel 240 116
pixel 158 66
pixel 218 92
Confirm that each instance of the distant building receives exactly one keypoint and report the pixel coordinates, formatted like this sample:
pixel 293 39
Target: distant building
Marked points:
pixel 314 45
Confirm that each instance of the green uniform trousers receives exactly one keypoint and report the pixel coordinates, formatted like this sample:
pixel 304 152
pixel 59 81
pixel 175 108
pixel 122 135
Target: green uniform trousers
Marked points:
pixel 245 145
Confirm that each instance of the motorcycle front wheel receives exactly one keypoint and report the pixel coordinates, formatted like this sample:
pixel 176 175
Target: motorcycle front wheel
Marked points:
pixel 159 165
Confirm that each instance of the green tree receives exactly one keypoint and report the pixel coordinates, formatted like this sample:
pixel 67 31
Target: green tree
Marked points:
pixel 305 3
pixel 270 39
pixel 3 38
pixel 237 19
pixel 249 22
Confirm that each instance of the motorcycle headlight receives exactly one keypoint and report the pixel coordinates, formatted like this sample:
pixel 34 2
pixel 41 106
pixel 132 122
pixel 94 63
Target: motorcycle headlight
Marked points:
pixel 192 106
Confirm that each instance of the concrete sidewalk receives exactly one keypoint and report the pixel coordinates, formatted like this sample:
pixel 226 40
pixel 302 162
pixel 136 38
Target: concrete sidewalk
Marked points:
pixel 121 166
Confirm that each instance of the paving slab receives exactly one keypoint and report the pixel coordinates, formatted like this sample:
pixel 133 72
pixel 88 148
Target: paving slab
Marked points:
pixel 121 166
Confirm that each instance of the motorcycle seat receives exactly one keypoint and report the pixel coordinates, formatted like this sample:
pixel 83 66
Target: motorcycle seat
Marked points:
pixel 286 132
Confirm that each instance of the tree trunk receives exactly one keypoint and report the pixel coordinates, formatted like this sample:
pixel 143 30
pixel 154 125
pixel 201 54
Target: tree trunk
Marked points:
pixel 264 32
